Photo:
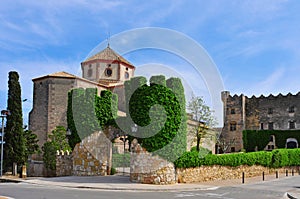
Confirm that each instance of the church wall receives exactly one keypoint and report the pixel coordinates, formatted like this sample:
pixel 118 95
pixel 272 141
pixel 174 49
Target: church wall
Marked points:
pixel 58 100
pixel 38 116
pixel 50 106
pixel 115 71
pixel 90 71
pixel 123 70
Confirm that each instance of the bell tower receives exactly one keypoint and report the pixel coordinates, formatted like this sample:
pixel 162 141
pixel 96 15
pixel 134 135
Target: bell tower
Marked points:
pixel 107 67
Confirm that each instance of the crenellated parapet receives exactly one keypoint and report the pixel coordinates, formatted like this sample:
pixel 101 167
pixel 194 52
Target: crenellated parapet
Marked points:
pixel 64 163
pixel 272 112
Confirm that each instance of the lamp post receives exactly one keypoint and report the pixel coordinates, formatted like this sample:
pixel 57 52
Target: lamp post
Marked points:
pixel 4 113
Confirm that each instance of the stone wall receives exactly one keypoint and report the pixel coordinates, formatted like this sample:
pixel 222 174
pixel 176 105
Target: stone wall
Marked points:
pixel 92 156
pixel 64 164
pixel 217 172
pixel 150 169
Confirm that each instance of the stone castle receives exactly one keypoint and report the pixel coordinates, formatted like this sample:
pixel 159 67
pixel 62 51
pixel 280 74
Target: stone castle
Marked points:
pixel 106 70
pixel 279 112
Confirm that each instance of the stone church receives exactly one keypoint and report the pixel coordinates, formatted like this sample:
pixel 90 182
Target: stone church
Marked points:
pixel 106 70
pixel 281 112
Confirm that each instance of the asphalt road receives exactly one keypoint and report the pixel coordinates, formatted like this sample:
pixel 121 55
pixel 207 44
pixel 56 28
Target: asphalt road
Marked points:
pixel 271 189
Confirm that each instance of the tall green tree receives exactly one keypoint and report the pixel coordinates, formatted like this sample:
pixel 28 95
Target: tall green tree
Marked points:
pixel 57 142
pixel 203 115
pixel 32 146
pixel 15 147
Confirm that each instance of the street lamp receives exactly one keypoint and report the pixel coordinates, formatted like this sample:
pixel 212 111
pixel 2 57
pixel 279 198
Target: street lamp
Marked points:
pixel 4 113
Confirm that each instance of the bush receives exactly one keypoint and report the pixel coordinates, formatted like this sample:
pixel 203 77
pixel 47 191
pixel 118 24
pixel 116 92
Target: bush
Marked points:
pixel 276 158
pixel 113 171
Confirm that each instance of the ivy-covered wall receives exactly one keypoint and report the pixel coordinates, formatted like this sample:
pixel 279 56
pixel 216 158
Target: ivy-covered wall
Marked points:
pixel 159 111
pixel 87 112
pixel 260 138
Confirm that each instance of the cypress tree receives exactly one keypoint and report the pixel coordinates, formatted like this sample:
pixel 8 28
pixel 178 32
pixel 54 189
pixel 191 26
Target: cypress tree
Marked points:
pixel 15 146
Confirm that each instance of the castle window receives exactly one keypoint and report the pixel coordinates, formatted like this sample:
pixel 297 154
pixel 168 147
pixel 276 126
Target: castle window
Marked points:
pixel 126 75
pixel 292 125
pixel 232 126
pixel 261 126
pixel 270 111
pixel 232 111
pixel 291 109
pixel 270 126
pixel 126 69
pixel 108 72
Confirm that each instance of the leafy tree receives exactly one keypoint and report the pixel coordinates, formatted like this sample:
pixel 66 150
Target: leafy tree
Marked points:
pixel 31 143
pixel 202 114
pixel 15 147
pixel 57 142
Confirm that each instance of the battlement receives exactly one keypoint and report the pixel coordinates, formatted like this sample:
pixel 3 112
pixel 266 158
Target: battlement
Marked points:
pixel 227 95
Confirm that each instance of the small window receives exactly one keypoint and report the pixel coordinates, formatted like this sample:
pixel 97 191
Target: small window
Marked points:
pixel 291 109
pixel 270 126
pixel 126 75
pixel 108 72
pixel 90 71
pixel 232 111
pixel 126 69
pixel 270 110
pixel 292 125
pixel 232 126
pixel 261 126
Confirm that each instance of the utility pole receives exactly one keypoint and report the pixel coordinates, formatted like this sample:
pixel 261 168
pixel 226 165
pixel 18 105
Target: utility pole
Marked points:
pixel 4 113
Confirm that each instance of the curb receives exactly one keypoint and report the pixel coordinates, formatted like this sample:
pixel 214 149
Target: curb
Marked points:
pixel 113 187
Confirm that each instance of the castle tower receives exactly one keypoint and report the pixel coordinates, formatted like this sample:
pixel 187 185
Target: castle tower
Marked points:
pixel 234 120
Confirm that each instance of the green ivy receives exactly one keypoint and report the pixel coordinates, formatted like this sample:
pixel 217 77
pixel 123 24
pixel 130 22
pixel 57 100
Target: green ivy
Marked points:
pixel 87 112
pixel 260 138
pixel 164 102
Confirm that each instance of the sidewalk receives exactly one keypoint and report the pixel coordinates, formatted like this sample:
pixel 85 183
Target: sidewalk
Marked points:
pixel 115 182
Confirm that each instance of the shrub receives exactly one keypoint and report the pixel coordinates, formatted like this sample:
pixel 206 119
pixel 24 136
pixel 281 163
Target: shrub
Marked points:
pixel 276 158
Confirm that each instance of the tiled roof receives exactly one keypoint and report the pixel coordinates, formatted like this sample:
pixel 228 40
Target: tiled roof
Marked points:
pixel 58 74
pixel 61 74
pixel 108 54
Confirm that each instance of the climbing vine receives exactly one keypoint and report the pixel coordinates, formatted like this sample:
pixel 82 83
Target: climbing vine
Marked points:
pixel 87 112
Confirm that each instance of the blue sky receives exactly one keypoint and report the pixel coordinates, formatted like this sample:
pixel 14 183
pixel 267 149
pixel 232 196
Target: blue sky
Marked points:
pixel 254 44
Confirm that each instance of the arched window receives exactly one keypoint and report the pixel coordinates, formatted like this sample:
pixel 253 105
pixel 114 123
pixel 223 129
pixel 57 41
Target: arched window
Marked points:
pixel 126 75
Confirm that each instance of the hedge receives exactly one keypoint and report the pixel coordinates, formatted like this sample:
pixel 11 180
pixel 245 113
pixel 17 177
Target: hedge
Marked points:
pixel 87 112
pixel 159 111
pixel 275 159
pixel 260 138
